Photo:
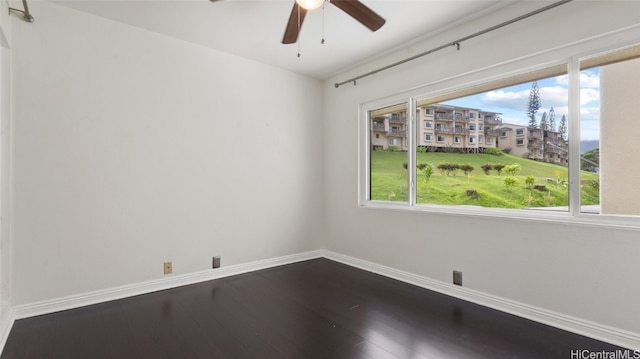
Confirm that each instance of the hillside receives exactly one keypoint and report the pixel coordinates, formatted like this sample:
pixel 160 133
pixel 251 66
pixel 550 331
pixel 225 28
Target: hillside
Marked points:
pixel 589 145
pixel 389 181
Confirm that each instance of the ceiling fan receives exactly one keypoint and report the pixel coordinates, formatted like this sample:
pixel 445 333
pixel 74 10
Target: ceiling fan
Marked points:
pixel 353 8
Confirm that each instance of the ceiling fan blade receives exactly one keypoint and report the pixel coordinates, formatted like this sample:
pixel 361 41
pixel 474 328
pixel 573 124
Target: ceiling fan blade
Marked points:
pixel 360 12
pixel 293 26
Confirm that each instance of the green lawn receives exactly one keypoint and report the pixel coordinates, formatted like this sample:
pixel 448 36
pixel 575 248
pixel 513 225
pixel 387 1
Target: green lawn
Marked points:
pixel 389 181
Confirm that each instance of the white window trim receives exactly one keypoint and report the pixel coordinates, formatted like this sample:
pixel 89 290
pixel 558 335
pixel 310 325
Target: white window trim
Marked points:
pixel 573 216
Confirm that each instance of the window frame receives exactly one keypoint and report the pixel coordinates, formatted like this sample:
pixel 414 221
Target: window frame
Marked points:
pixel 476 78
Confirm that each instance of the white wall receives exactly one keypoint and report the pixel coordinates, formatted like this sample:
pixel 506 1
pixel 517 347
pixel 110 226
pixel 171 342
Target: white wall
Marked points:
pixel 5 160
pixel 581 271
pixel 131 149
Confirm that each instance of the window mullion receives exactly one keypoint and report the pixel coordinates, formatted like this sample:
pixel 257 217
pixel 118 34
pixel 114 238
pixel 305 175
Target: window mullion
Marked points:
pixel 411 133
pixel 574 137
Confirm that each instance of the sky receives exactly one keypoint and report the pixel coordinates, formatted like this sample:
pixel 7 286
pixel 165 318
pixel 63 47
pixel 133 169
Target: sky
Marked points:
pixel 512 101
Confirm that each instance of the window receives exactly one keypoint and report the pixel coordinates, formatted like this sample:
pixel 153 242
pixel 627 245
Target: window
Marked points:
pixel 428 111
pixel 386 182
pixel 608 129
pixel 428 124
pixel 536 175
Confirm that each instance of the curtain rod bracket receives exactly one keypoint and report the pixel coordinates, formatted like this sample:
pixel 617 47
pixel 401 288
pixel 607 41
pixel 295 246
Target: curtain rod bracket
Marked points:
pixel 26 15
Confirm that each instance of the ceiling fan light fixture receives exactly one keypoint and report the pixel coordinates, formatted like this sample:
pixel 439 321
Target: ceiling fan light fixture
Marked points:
pixel 310 4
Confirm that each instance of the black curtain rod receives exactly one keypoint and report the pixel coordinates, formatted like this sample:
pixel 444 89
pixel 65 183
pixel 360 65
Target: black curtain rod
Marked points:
pixel 455 43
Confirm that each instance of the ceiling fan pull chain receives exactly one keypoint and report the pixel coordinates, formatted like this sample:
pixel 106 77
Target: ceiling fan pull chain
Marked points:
pixel 322 41
pixel 298 32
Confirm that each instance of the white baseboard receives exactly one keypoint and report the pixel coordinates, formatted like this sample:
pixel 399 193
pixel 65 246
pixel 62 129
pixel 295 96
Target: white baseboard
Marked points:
pixel 84 299
pixel 5 327
pixel 597 331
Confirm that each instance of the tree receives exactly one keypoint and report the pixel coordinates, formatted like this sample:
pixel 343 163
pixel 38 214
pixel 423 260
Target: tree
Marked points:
pixel 544 125
pixel 513 169
pixel 562 128
pixel 428 171
pixel 509 182
pixel 534 104
pixel 552 119
pixel 590 160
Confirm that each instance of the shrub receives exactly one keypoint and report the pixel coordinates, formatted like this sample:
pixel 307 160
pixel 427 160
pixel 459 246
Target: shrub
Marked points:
pixel 527 154
pixel 594 184
pixel 393 149
pixel 486 168
pixel 466 168
pixel 428 171
pixel 421 166
pixel 493 151
pixel 421 149
pixel 530 181
pixel 512 169
pixel 405 165
pixel 498 167
pixel 473 193
pixel 448 168
pixel 507 150
pixel 510 182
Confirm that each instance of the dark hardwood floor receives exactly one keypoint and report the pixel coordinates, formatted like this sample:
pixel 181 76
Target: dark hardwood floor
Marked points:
pixel 312 309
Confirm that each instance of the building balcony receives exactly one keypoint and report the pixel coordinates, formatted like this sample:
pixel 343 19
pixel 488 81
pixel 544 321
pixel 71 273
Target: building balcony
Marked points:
pixel 398 119
pixel 397 133
pixel 378 127
pixel 535 135
pixel 443 117
pixel 549 149
pixel 492 121
pixel 443 130
pixel 558 143
pixel 491 132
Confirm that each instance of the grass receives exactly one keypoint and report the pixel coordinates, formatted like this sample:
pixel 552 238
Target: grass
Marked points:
pixel 389 181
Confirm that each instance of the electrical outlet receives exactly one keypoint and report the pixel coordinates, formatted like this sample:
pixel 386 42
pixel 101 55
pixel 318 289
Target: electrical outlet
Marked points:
pixel 216 262
pixel 457 278
pixel 168 268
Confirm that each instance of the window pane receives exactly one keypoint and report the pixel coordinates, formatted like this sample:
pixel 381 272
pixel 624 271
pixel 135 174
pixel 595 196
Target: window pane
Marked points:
pixel 504 147
pixel 609 176
pixel 388 153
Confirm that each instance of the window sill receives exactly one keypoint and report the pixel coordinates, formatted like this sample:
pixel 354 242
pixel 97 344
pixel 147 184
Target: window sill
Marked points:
pixel 549 216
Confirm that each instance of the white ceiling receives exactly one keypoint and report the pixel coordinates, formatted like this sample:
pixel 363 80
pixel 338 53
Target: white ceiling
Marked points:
pixel 253 28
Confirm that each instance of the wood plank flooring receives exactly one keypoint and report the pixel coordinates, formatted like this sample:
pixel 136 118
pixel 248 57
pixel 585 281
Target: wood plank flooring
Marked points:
pixel 313 309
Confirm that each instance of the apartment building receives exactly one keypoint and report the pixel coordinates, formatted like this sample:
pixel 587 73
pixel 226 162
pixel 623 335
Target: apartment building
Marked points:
pixel 438 127
pixel 389 130
pixel 535 143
